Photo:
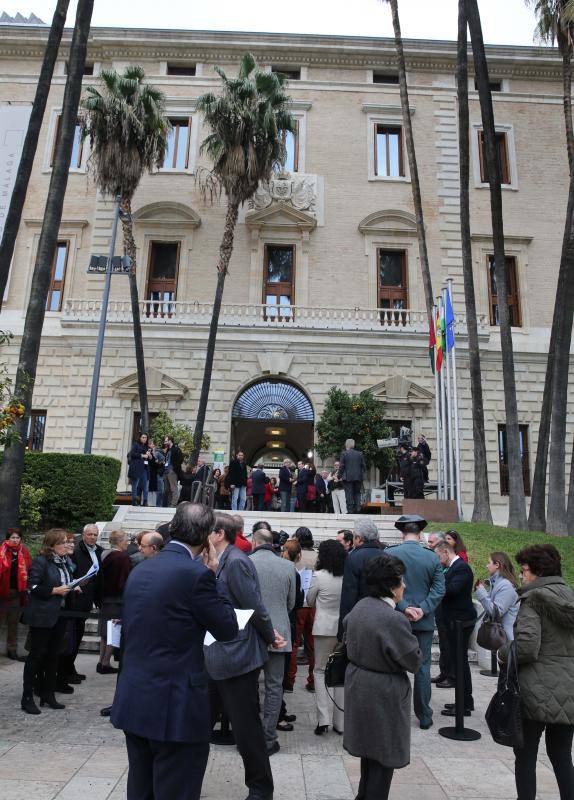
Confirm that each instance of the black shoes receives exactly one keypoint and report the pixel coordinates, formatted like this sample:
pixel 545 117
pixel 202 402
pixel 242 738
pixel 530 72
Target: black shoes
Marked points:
pixel 63 688
pixel 105 712
pixel 453 705
pixel 273 749
pixel 446 683
pixel 103 670
pixel 285 727
pixel 289 718
pixel 438 678
pixel 321 729
pixel 50 701
pixel 13 656
pixel 75 679
pixel 28 705
pixel 451 712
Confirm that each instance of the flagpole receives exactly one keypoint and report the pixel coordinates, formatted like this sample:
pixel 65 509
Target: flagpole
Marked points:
pixel 448 407
pixel 443 418
pixel 437 419
pixel 456 420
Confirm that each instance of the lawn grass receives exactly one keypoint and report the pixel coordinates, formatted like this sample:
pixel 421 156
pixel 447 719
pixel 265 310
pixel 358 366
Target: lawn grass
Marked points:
pixel 482 539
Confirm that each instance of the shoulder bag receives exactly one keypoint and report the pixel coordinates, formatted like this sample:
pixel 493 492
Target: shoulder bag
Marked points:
pixel 491 634
pixel 503 715
pixel 336 666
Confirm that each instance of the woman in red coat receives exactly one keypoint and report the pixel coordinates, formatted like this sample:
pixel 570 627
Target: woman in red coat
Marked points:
pixel 15 562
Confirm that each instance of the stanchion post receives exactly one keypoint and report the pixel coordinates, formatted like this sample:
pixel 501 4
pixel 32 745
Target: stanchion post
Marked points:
pixel 493 671
pixel 459 732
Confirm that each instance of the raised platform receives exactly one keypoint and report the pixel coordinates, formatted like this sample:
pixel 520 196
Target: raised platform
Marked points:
pixel 322 526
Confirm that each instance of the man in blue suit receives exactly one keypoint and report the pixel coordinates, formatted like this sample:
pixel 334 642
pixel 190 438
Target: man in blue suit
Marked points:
pixel 424 589
pixel 162 701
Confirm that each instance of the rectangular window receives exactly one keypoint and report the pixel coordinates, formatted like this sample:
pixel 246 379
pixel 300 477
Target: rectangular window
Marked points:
pixel 502 150
pixel 389 152
pixel 390 78
pixel 162 278
pixel 57 278
pixel 392 284
pixel 292 146
pixel 495 86
pixel 77 147
pixel 178 140
pixel 35 432
pixel 279 281
pixel 503 458
pixel 181 69
pixel 513 298
pixel 291 73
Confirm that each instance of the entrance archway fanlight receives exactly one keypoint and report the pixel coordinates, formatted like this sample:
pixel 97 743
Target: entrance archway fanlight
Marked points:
pixel 273 400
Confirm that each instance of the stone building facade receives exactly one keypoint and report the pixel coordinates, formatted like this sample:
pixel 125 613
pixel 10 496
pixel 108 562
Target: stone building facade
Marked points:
pixel 323 258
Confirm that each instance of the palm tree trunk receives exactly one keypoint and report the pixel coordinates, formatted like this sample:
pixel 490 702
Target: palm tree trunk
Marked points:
pixel 411 155
pixel 14 215
pixel 570 513
pixel 559 334
pixel 225 252
pixel 517 503
pixel 130 250
pixel 13 461
pixel 481 510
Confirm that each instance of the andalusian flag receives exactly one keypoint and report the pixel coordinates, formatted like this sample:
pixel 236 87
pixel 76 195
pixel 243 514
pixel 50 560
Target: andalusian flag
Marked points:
pixel 432 343
pixel 439 338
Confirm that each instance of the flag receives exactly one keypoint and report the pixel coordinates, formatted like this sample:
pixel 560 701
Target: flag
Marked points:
pixel 439 331
pixel 449 321
pixel 432 343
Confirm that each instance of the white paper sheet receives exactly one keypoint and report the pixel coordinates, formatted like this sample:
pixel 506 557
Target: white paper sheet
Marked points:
pixel 93 570
pixel 243 616
pixel 114 633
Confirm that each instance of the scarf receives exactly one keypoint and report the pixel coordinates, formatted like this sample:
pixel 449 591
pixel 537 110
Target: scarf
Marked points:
pixel 62 563
pixel 24 563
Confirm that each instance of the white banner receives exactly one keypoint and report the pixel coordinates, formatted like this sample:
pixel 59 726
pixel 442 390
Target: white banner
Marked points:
pixel 13 126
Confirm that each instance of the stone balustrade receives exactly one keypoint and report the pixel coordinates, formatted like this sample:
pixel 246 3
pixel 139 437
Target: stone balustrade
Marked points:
pixel 185 312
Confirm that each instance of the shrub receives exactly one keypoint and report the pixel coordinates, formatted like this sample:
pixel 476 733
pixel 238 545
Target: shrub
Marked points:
pixel 31 501
pixel 162 425
pixel 79 488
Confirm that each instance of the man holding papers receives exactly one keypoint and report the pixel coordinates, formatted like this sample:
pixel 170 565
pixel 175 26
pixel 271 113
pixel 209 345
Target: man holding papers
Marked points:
pixel 88 559
pixel 162 701
pixel 235 665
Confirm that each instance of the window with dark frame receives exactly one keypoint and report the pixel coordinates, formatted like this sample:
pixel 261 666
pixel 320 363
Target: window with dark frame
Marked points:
pixel 279 281
pixel 178 144
pixel 503 458
pixel 389 78
pixel 58 277
pixel 137 428
pixel 187 70
pixel 292 147
pixel 389 162
pixel 88 68
pixel 35 431
pixel 163 268
pixel 392 284
pixel 513 298
pixel 77 147
pixel 495 86
pixel 502 150
pixel 291 73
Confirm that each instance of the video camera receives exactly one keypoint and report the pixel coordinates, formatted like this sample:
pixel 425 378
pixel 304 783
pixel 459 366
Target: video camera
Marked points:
pixel 404 439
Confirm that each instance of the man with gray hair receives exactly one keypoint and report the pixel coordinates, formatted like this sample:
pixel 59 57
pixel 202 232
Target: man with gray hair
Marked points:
pixel 366 546
pixel 352 470
pixel 434 538
pixel 87 554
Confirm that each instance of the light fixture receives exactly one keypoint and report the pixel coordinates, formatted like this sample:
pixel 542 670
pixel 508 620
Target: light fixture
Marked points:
pixel 275 431
pixel 310 454
pixel 275 445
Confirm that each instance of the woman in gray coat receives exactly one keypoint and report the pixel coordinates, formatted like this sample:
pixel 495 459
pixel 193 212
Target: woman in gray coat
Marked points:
pixel 381 649
pixel 544 641
pixel 503 598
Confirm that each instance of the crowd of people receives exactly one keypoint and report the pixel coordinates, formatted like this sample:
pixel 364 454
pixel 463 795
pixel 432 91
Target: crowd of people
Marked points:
pixel 176 683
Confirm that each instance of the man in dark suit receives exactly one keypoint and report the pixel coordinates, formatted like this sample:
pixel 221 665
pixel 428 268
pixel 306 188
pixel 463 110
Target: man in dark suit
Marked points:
pixel 236 481
pixel 87 553
pixel 302 483
pixel 257 488
pixel 285 483
pixel 352 470
pixel 322 490
pixel 234 665
pixel 457 606
pixel 172 471
pixel 424 590
pixel 162 701
pixel 366 546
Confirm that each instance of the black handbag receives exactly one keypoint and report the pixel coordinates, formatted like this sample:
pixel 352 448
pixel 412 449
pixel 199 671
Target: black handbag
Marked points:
pixel 336 666
pixel 503 715
pixel 491 634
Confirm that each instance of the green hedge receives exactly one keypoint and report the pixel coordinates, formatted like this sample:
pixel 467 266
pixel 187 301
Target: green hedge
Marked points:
pixel 79 488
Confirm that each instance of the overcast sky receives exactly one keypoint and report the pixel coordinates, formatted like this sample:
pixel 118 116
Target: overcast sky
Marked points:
pixel 504 21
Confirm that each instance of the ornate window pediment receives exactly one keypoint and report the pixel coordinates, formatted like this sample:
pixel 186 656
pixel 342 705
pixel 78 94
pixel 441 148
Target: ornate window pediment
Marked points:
pixel 159 386
pixel 401 391
pixel 389 222
pixel 280 216
pixel 167 213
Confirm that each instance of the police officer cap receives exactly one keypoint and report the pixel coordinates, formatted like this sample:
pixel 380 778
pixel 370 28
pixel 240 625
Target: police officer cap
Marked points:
pixel 408 519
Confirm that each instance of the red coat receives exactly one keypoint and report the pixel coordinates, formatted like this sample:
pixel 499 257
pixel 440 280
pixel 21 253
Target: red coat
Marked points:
pixel 242 543
pixel 24 564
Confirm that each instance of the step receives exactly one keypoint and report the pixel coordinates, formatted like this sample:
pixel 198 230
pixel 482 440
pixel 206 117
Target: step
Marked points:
pixel 90 644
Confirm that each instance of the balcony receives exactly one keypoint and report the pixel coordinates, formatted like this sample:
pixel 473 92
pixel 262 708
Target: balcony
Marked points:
pixel 248 315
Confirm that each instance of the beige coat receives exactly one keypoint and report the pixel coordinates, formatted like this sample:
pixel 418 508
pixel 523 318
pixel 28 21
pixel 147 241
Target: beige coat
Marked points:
pixel 325 596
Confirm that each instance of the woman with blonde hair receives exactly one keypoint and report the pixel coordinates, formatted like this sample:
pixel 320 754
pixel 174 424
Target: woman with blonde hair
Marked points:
pixel 116 566
pixel 49 580
pixel 503 598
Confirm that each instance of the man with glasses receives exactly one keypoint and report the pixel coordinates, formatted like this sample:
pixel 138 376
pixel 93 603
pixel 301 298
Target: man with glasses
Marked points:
pixel 150 544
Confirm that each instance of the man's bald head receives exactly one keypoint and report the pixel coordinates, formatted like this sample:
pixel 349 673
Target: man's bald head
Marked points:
pixel 262 536
pixel 151 543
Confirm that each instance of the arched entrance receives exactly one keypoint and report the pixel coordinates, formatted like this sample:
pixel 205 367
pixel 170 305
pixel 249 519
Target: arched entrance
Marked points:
pixel 271 420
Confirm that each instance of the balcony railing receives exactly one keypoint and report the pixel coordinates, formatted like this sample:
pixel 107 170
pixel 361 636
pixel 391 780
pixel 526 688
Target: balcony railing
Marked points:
pixel 183 312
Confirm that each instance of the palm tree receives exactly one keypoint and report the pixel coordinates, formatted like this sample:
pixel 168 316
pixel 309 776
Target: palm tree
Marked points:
pixel 555 25
pixel 13 461
pixel 127 129
pixel 14 215
pixel 412 158
pixel 248 121
pixel 517 502
pixel 481 510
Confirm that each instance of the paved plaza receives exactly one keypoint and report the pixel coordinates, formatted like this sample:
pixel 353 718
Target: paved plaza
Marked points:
pixel 77 755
